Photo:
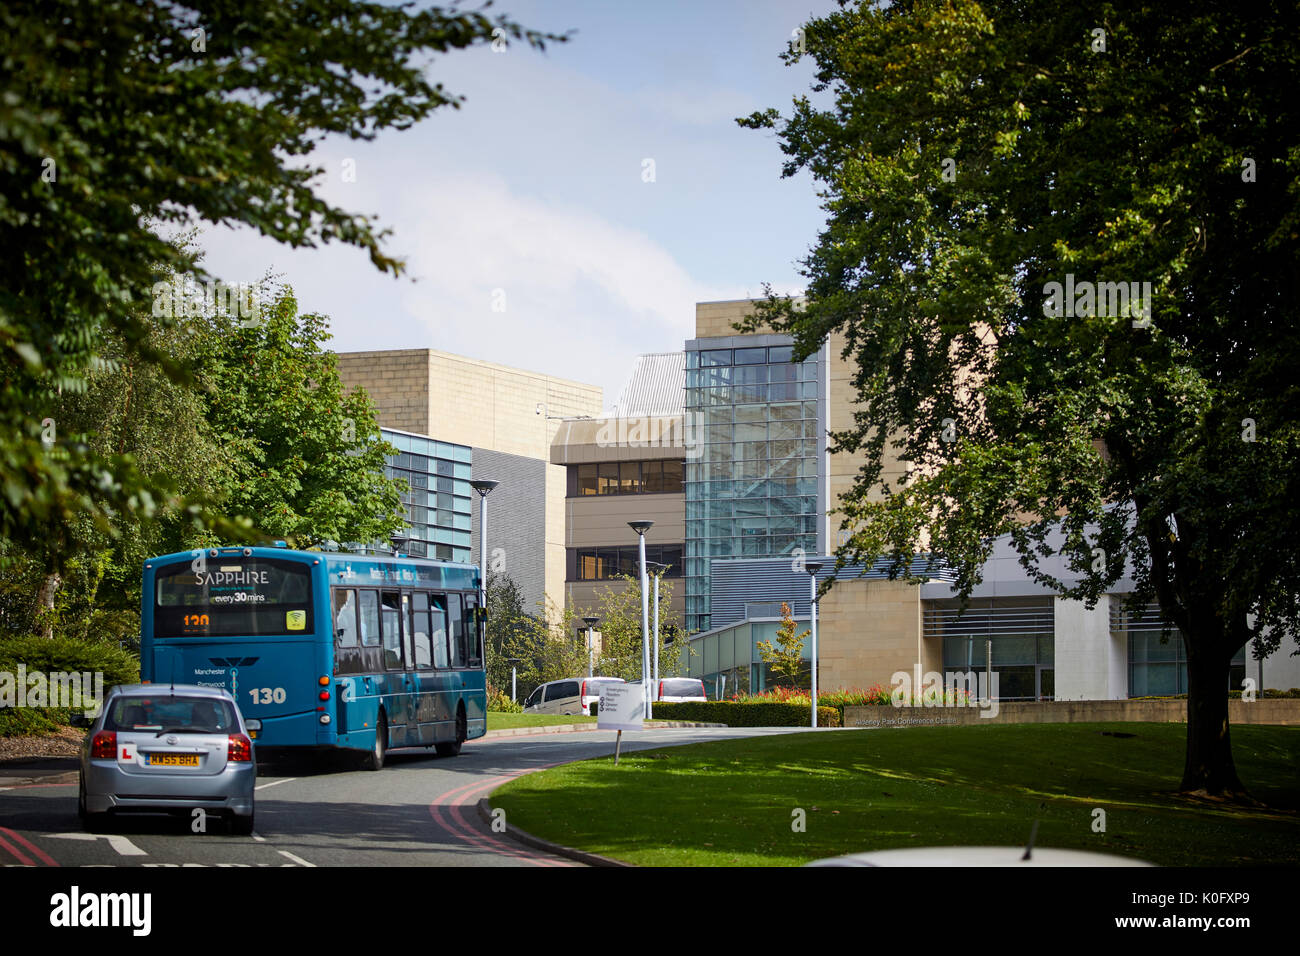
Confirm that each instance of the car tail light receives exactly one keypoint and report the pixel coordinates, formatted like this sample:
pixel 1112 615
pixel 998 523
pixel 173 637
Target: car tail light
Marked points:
pixel 240 749
pixel 104 744
pixel 583 692
pixel 661 690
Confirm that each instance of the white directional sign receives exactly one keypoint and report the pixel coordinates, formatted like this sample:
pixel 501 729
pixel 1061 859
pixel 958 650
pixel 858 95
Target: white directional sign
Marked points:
pixel 621 707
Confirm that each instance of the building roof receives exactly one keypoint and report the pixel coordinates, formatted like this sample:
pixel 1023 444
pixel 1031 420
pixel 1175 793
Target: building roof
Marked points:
pixel 655 386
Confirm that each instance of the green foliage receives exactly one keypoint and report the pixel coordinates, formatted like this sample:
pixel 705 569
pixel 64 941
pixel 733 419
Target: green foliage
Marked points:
pixel 33 721
pixel 971 154
pixel 68 654
pixel 499 702
pixel 510 637
pixel 785 658
pixel 619 610
pixel 769 713
pixel 151 115
pixel 307 459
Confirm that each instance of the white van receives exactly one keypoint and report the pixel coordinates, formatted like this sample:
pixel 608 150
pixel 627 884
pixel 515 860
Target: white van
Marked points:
pixel 574 695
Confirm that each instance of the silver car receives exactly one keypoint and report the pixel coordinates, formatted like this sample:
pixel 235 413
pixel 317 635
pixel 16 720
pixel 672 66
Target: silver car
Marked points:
pixel 155 748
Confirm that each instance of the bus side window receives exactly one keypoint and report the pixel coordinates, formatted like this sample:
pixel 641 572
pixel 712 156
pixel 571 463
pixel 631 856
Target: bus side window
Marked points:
pixel 423 646
pixel 392 618
pixel 438 628
pixel 473 648
pixel 369 605
pixel 345 617
pixel 456 630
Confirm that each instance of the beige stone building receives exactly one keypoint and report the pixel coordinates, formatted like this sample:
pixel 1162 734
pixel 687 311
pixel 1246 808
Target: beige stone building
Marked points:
pixel 509 417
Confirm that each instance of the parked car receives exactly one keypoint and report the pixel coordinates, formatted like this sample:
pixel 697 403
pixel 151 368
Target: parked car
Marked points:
pixel 574 695
pixel 161 749
pixel 675 690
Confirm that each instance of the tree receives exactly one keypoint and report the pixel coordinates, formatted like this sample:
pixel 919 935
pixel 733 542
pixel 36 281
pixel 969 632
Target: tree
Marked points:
pixel 308 463
pixel 151 112
pixel 981 160
pixel 509 632
pixel 619 610
pixel 785 658
pixel 129 408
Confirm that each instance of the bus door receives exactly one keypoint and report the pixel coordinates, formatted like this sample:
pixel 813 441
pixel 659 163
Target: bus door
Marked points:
pixel 399 691
pixel 420 668
pixel 444 703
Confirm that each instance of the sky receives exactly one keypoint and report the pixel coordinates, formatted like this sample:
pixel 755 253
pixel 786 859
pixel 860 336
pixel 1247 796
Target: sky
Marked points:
pixel 580 202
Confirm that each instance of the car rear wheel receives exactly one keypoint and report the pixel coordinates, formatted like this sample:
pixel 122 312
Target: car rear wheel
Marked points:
pixel 453 749
pixel 375 759
pixel 241 826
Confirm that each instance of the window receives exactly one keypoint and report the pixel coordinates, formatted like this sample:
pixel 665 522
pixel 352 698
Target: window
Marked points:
pixel 438 629
pixel 422 645
pixel 653 477
pixel 345 617
pixel 392 620
pixel 455 622
pixel 369 605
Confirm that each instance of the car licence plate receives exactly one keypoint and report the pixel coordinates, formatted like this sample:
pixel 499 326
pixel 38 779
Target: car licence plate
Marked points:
pixel 172 760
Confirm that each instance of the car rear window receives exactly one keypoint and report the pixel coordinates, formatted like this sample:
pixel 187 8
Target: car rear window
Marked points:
pixel 202 714
pixel 594 686
pixel 682 687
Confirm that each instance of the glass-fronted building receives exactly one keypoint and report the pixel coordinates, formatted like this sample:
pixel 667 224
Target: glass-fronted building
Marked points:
pixel 753 487
pixel 436 497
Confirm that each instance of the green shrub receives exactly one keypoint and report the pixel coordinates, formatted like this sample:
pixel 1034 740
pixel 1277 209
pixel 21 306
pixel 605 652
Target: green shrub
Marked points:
pixel 756 714
pixel 33 721
pixel 500 703
pixel 69 655
pixel 62 654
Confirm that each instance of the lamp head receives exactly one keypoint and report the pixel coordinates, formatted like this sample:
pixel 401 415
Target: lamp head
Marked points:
pixel 812 567
pixel 483 486
pixel 640 527
pixel 591 621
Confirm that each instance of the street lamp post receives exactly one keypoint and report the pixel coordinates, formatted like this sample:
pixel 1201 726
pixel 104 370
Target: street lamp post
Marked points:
pixel 641 527
pixel 591 623
pixel 484 488
pixel 812 567
pixel 658 570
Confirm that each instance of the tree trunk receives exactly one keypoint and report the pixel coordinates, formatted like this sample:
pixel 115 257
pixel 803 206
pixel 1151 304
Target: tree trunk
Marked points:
pixel 50 585
pixel 1209 768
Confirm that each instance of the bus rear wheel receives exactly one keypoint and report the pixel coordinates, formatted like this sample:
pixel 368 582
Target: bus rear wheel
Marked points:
pixel 375 759
pixel 453 749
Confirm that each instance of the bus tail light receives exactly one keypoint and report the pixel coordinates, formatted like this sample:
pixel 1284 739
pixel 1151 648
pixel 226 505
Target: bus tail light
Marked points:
pixel 104 744
pixel 324 695
pixel 324 681
pixel 240 749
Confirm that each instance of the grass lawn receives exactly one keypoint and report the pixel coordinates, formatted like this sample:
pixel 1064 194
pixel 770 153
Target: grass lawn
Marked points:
pixel 731 803
pixel 499 721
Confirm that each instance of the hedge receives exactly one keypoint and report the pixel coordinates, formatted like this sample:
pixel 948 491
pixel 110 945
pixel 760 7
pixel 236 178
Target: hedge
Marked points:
pixel 60 654
pixel 734 714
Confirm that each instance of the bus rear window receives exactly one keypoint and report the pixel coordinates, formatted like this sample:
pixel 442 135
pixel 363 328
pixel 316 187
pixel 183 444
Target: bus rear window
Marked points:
pixel 232 597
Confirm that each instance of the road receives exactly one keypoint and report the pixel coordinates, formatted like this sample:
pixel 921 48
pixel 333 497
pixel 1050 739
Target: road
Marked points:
pixel 418 811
